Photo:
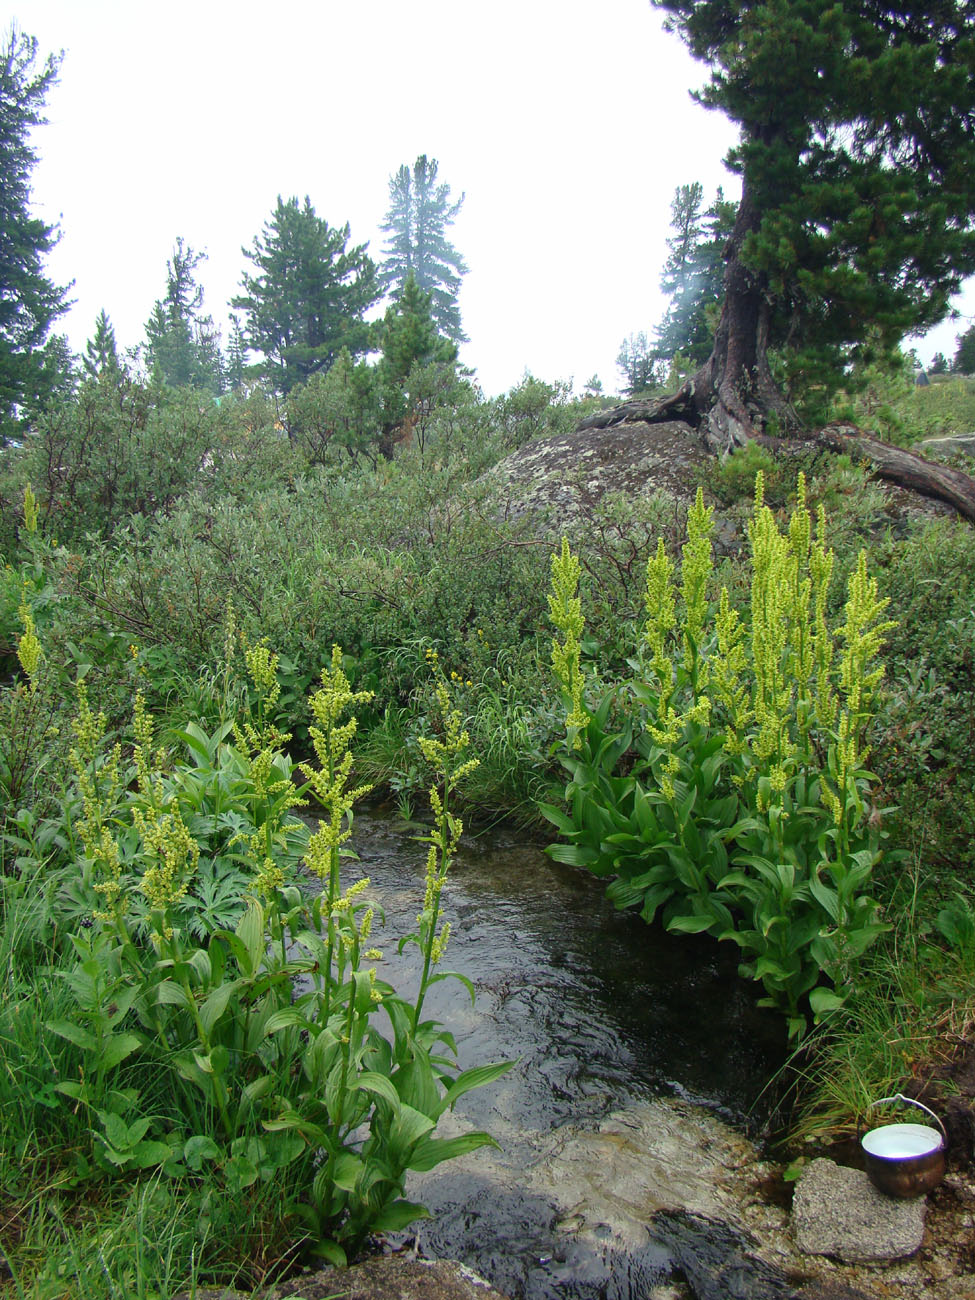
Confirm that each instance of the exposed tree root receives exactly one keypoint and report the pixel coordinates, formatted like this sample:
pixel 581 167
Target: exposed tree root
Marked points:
pixel 721 428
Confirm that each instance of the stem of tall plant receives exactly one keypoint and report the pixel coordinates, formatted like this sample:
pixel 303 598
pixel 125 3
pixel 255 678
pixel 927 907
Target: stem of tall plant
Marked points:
pixel 446 757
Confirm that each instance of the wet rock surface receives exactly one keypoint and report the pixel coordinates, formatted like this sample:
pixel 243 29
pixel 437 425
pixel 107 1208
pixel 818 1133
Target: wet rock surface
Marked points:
pixel 838 1211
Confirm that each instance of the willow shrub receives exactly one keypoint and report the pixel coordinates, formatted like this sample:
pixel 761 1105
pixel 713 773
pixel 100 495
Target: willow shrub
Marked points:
pixel 220 1020
pixel 723 785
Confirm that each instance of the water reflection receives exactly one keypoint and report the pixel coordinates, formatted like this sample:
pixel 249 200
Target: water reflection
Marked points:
pixel 600 1011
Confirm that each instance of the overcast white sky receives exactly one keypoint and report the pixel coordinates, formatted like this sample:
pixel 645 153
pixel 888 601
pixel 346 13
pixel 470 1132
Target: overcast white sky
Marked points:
pixel 567 123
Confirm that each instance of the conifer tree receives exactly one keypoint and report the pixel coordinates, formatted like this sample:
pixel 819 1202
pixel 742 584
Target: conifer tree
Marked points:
pixel 236 363
pixel 308 296
pixel 410 335
pixel 30 362
pixel 693 273
pixel 183 346
pixel 857 160
pixel 410 344
pixel 420 210
pixel 636 361
pixel 101 352
pixel 964 362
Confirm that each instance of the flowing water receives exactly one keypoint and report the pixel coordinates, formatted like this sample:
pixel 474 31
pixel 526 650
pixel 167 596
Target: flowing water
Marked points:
pixel 640 1059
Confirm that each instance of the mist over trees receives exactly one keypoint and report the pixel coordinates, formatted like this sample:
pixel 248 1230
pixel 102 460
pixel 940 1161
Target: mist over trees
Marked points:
pixel 853 229
pixel 420 210
pixel 693 273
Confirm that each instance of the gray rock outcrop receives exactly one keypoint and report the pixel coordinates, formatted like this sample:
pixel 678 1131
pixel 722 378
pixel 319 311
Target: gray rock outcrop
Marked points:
pixel 570 472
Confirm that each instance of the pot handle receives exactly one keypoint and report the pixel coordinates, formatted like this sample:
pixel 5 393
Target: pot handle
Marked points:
pixel 909 1101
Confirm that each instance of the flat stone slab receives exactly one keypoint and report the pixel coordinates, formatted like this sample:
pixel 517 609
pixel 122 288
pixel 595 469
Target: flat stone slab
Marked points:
pixel 838 1212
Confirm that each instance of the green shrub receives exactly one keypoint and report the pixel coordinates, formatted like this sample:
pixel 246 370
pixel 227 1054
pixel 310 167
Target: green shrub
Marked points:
pixel 218 1020
pixel 723 784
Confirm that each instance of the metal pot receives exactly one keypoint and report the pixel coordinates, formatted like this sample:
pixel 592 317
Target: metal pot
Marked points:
pixel 905 1160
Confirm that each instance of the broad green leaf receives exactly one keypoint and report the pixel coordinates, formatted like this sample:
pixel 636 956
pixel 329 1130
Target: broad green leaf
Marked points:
pixel 346 1170
pixel 73 1033
pixel 823 1001
pixel 827 898
pixel 250 931
pixel 287 1018
pixel 369 1081
pixel 475 1078
pixel 330 1250
pixel 117 1048
pixel 216 1004
pixel 72 1089
pixel 146 1155
pixel 240 1171
pixel 194 738
pixel 432 1151
pixel 557 817
pixel 398 1215
pixel 199 1148
pixel 408 1127
pixel 454 975
pixel 117 1131
pixel 690 924
pixel 169 993
pixel 573 855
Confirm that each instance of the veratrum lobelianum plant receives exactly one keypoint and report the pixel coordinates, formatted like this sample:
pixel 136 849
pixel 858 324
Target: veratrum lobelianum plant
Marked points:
pixel 724 786
pixel 269 1049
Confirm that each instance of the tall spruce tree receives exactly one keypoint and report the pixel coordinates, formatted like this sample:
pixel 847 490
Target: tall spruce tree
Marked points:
pixel 857 161
pixel 101 351
pixel 236 363
pixel 693 273
pixel 183 346
pixel 309 294
pixel 420 210
pixel 30 362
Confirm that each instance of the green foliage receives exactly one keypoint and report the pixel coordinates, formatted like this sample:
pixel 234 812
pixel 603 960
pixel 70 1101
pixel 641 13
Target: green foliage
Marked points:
pixel 928 718
pixel 337 412
pixel 245 1039
pixel 30 363
pixel 308 297
pixel 535 409
pixel 420 210
pixel 938 409
pixel 123 448
pixel 732 478
pixel 723 786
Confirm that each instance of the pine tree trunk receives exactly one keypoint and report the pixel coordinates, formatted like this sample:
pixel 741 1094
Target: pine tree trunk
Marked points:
pixel 733 396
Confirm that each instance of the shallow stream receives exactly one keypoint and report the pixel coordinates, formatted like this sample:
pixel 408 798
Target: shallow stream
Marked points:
pixel 641 1059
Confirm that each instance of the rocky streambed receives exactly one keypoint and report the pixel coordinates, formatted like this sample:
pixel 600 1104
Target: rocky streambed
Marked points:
pixel 632 1129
